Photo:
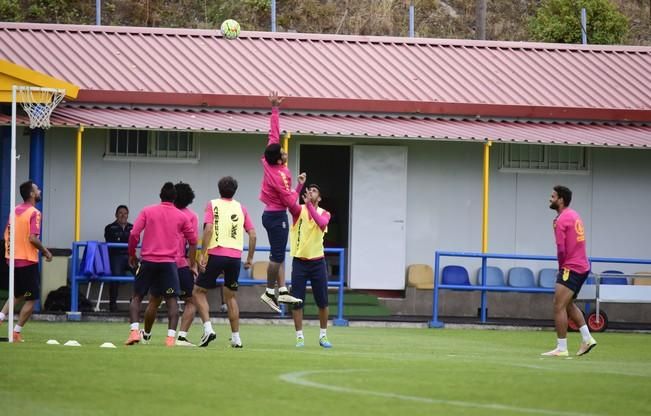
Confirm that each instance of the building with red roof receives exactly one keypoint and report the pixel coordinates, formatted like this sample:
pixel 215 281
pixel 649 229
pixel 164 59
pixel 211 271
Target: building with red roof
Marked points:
pixel 390 127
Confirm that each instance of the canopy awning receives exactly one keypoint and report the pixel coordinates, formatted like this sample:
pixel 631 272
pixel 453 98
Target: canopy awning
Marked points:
pixel 353 125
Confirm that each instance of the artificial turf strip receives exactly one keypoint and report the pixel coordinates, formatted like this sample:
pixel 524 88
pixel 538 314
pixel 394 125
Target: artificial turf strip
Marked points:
pixel 369 371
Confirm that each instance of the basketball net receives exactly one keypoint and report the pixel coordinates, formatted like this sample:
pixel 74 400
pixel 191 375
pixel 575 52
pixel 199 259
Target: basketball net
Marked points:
pixel 39 103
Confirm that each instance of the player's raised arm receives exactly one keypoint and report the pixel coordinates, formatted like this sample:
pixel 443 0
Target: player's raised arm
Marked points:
pixel 274 121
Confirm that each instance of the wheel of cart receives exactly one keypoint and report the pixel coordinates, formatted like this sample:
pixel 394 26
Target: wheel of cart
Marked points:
pixel 597 322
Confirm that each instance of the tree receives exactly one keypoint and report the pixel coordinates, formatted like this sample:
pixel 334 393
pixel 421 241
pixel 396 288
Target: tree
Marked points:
pixel 559 21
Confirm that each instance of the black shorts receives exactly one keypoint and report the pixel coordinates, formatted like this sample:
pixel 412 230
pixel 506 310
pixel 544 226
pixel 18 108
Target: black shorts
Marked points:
pixel 159 279
pixel 27 282
pixel 186 282
pixel 315 272
pixel 217 265
pixel 277 226
pixel 571 280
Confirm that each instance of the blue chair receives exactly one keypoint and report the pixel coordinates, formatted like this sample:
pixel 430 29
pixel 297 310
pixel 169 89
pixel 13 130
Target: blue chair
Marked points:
pixel 455 275
pixel 547 278
pixel 494 276
pixel 521 277
pixel 613 280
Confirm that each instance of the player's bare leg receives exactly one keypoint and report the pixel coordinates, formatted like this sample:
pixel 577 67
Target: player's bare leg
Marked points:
pixel 201 302
pixel 562 298
pixel 189 311
pixel 233 317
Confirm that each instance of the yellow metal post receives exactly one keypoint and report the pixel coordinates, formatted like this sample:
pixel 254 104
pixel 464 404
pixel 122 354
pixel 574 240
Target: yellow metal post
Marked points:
pixel 484 229
pixel 286 138
pixel 80 133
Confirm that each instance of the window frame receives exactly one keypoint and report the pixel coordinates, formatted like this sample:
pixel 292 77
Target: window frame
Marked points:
pixel 153 152
pixel 583 162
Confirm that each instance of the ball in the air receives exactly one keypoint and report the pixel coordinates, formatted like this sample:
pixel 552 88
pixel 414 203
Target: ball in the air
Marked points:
pixel 230 29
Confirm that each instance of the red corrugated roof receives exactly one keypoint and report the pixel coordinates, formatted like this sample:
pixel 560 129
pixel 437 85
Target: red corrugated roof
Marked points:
pixel 339 73
pixel 322 124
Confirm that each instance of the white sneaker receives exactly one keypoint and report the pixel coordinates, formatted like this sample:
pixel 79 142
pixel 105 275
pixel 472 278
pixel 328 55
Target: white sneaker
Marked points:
pixel 183 342
pixel 555 353
pixel 145 339
pixel 586 347
pixel 236 344
pixel 270 300
pixel 207 338
pixel 287 298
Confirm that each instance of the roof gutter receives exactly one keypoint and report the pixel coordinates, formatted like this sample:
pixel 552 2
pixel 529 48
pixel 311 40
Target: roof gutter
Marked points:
pixel 482 110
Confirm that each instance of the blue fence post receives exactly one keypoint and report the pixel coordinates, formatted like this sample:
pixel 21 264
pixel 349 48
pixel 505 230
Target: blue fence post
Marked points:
pixel 484 294
pixel 74 314
pixel 435 323
pixel 340 321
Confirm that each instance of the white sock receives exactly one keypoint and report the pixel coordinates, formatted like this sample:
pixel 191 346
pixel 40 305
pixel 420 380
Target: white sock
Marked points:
pixel 18 328
pixel 135 326
pixel 585 333
pixel 299 334
pixel 183 334
pixel 322 332
pixel 207 327
pixel 561 344
pixel 171 332
pixel 235 337
pixel 282 289
pixel 2 316
pixel 271 291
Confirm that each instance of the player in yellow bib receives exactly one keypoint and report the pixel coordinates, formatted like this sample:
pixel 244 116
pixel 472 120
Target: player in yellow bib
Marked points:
pixel 310 223
pixel 225 221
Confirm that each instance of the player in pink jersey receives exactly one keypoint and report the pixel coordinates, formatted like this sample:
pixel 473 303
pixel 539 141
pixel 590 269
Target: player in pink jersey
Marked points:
pixel 277 195
pixel 184 197
pixel 573 271
pixel 163 226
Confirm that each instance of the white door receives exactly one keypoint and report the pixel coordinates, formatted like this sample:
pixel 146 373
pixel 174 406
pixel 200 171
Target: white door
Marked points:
pixel 377 223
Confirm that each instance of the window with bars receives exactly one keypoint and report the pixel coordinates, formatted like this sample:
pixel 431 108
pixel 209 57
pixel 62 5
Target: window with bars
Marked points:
pixel 544 158
pixel 147 144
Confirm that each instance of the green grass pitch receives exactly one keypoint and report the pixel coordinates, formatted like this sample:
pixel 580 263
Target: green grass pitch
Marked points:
pixel 369 371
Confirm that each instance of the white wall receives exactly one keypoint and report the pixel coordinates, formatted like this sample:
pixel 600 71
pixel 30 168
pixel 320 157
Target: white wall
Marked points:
pixel 22 162
pixel 445 200
pixel 106 184
pixel 444 194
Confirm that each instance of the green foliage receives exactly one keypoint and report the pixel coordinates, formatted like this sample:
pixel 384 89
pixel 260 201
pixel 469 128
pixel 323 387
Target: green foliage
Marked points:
pixel 560 21
pixel 506 19
pixel 9 10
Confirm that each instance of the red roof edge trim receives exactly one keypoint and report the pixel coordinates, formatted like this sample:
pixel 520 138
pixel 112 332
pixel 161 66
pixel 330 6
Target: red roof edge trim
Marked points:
pixel 365 106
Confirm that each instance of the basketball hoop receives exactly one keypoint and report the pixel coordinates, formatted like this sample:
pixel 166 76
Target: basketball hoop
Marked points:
pixel 39 103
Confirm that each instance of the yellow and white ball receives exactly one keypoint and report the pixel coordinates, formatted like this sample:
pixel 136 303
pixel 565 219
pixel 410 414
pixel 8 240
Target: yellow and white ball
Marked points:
pixel 230 29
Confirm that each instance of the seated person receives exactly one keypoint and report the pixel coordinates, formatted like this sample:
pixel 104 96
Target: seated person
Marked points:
pixel 118 232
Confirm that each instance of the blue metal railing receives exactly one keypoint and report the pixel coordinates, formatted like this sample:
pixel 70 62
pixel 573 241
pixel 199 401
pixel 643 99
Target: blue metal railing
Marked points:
pixel 435 323
pixel 76 278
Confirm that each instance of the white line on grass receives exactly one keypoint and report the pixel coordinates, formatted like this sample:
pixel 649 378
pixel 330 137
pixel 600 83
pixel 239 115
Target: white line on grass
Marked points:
pixel 298 378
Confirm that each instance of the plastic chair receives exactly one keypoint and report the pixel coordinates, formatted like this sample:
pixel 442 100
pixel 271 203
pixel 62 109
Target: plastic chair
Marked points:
pixel 547 278
pixel 521 277
pixel 642 281
pixel 455 275
pixel 259 270
pixel 420 276
pixel 613 280
pixel 494 276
